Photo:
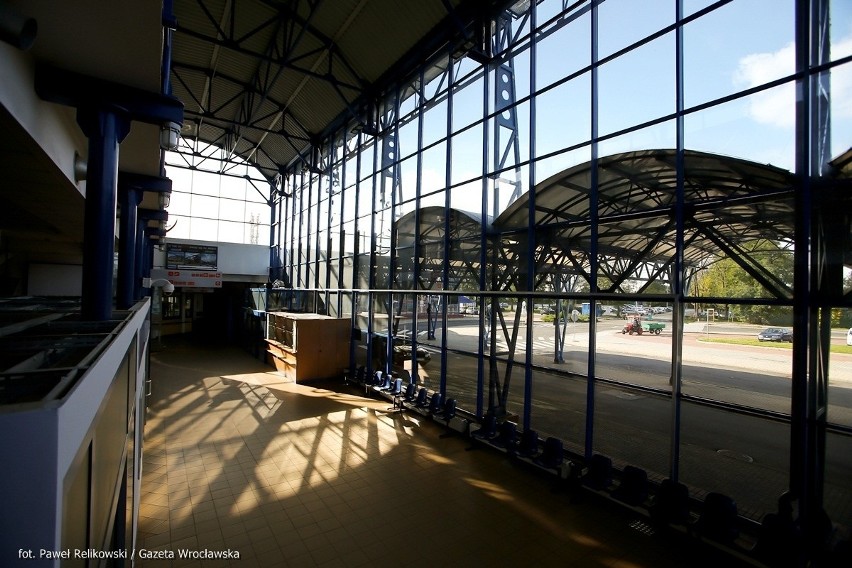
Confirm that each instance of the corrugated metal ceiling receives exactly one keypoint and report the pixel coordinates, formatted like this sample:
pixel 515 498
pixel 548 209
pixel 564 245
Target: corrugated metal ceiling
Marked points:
pixel 263 78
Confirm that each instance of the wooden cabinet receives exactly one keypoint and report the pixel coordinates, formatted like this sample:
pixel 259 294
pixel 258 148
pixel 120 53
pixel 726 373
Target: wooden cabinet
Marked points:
pixel 307 346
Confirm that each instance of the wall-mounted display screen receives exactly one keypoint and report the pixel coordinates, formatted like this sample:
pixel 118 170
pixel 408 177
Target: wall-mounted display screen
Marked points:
pixel 192 256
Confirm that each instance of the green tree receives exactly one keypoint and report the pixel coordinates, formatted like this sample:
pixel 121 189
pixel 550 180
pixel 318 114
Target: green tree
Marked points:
pixel 725 278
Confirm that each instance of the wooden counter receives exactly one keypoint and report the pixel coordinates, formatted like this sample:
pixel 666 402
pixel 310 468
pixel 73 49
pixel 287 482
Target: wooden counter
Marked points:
pixel 307 346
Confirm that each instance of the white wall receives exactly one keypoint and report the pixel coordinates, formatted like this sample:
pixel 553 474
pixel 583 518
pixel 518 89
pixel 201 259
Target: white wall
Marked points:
pixel 52 126
pixel 234 259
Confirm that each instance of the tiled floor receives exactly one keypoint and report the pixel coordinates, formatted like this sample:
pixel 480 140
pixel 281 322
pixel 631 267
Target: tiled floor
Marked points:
pixel 237 461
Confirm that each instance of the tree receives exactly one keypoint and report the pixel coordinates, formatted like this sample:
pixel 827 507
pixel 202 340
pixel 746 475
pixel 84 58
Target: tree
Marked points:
pixel 726 278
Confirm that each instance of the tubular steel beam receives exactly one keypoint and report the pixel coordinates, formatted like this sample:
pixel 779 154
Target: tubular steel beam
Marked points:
pixel 132 186
pixel 82 91
pixel 105 130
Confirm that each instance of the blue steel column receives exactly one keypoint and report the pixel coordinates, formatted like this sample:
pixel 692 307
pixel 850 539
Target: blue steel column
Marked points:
pixel 139 258
pixel 390 169
pixel 508 154
pixel 801 481
pixel 418 246
pixel 446 243
pixel 531 244
pixel 274 201
pixel 677 279
pixel 483 248
pixel 129 198
pixel 590 380
pixel 105 128
pixel 810 381
pixel 151 238
pixel 826 272
pixel 594 217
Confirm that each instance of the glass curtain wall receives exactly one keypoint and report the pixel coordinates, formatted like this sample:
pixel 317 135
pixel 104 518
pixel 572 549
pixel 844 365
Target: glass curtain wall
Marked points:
pixel 590 233
pixel 216 197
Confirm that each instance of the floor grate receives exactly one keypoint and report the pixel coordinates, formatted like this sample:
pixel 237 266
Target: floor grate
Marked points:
pixel 642 527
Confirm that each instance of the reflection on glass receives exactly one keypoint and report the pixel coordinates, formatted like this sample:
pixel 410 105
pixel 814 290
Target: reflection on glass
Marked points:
pixel 838 491
pixel 634 426
pixel 719 449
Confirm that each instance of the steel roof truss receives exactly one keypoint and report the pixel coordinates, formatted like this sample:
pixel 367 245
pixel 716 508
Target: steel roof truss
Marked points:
pixel 767 279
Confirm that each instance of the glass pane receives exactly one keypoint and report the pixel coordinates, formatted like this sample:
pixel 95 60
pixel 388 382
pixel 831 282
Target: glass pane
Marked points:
pixel 462 341
pixel 179 203
pixel 408 184
pixel 562 51
pixel 435 123
pixel 467 155
pixel 742 129
pixel 841 103
pixel 229 232
pixel 623 22
pixel 203 229
pixel 565 420
pixel 746 362
pixel 205 206
pixel 233 188
pixel 719 449
pixel 467 102
pixel 662 135
pixel 563 116
pixel 838 491
pixel 633 427
pixel 554 165
pixel 638 86
pixel 434 175
pixel 723 55
pixel 204 183
pixel 233 210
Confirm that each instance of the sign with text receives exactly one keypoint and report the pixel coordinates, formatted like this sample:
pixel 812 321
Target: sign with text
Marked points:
pixel 189 278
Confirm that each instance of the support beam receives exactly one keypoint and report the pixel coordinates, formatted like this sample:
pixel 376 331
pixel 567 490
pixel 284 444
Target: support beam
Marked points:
pixel 131 191
pixel 105 130
pixel 129 198
pixel 105 111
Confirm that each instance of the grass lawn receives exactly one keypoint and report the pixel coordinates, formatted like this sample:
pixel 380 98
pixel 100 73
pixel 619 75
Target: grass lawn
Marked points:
pixel 776 344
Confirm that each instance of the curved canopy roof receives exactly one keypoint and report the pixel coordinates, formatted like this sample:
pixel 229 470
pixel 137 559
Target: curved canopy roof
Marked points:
pixel 265 79
pixel 728 204
pixel 728 201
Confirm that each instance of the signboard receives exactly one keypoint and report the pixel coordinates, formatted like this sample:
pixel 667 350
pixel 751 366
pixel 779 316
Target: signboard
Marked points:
pixel 192 257
pixel 189 278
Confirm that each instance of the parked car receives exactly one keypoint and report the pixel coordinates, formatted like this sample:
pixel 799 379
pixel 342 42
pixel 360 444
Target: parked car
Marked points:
pixel 775 334
pixel 633 309
pixel 849 337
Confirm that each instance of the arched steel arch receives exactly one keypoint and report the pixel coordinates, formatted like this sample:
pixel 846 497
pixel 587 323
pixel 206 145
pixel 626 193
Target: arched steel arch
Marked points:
pixel 730 202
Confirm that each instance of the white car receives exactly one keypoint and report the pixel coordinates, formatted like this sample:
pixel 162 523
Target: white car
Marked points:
pixel 849 337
